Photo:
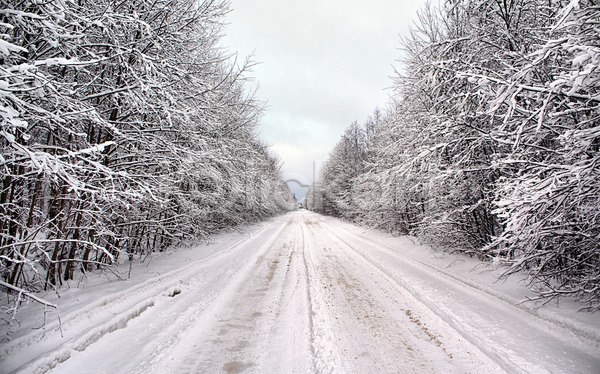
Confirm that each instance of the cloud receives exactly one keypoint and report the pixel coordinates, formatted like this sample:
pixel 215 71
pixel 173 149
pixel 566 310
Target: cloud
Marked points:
pixel 322 65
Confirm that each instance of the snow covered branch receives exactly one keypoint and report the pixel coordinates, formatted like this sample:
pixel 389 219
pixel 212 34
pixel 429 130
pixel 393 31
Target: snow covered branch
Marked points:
pixel 124 130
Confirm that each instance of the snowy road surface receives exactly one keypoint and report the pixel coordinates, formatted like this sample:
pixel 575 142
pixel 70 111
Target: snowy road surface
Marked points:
pixel 303 293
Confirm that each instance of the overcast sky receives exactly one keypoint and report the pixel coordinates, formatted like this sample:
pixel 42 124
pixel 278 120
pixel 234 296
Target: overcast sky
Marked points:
pixel 322 65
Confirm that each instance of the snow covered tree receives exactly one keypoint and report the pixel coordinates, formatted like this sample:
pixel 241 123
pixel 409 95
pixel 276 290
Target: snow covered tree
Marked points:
pixel 549 197
pixel 345 162
pixel 389 194
pixel 124 130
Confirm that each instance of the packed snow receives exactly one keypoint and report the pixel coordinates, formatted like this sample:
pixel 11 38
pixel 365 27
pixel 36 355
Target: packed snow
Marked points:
pixel 301 293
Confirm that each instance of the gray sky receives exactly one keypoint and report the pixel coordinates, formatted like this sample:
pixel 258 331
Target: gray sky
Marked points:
pixel 322 65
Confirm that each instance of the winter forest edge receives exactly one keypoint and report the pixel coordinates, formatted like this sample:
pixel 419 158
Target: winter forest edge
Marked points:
pixel 125 130
pixel 490 145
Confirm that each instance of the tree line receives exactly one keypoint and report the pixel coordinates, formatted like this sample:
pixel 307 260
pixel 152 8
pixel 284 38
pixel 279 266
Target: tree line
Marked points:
pixel 490 143
pixel 126 129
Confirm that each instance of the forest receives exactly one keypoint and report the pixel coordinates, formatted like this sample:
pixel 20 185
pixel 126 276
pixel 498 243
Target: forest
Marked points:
pixel 126 129
pixel 490 143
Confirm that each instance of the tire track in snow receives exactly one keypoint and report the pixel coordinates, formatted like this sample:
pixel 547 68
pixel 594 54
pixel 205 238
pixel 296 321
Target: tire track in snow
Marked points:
pixel 112 313
pixel 381 326
pixel 326 358
pixel 241 330
pixel 589 337
pixel 497 342
pixel 272 302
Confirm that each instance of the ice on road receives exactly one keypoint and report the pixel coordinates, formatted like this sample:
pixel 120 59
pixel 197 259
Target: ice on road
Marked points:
pixel 304 293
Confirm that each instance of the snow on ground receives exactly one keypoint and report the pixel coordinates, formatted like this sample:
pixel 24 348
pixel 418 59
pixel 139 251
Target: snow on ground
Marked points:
pixel 303 293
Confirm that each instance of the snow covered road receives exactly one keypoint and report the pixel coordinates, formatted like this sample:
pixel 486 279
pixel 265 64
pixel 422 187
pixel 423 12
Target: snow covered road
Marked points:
pixel 304 293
